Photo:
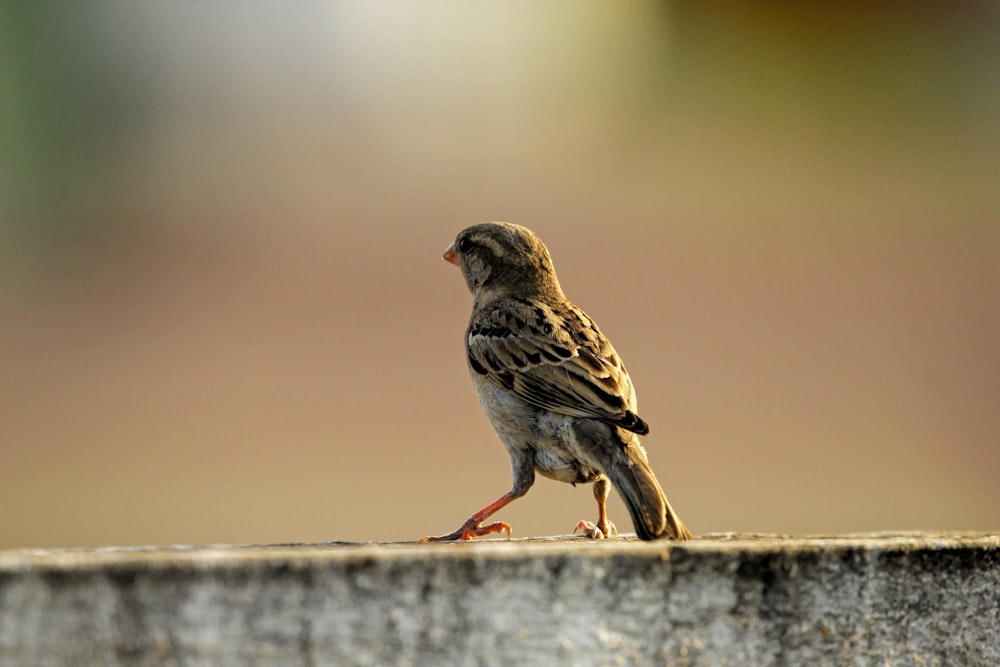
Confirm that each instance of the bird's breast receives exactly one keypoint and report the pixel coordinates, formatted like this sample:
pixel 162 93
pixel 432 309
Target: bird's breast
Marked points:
pixel 546 434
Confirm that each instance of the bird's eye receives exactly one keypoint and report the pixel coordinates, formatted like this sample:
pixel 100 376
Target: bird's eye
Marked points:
pixel 464 245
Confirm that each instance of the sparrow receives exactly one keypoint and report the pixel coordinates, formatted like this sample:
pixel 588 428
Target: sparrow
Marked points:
pixel 552 386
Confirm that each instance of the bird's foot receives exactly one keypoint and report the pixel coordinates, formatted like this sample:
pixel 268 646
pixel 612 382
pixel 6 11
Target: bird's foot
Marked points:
pixel 595 531
pixel 471 529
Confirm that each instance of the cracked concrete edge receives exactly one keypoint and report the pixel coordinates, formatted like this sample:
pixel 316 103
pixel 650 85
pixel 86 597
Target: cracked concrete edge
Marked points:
pixel 892 598
pixel 207 556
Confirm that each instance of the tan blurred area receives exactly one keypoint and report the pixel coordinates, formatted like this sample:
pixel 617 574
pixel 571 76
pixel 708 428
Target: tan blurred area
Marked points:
pixel 224 316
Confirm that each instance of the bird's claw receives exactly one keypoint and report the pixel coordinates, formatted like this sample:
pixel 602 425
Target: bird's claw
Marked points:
pixel 594 531
pixel 470 531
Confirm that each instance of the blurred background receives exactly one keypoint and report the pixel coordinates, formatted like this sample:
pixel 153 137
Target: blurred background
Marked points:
pixel 224 316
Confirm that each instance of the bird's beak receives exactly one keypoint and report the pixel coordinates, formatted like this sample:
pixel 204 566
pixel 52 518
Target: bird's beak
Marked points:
pixel 450 255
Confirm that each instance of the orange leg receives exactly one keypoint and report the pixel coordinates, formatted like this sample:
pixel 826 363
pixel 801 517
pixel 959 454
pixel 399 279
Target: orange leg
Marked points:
pixel 524 477
pixel 471 527
pixel 603 528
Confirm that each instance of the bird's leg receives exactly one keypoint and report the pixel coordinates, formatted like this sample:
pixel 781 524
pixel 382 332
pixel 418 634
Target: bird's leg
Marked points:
pixel 603 528
pixel 472 528
pixel 524 477
pixel 601 489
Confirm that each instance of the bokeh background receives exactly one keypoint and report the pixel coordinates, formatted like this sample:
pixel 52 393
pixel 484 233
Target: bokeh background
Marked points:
pixel 224 317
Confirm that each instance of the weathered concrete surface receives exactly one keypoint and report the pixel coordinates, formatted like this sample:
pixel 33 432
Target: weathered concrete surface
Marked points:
pixel 908 599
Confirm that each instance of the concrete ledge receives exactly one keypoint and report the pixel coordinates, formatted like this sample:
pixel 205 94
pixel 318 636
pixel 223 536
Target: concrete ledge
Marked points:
pixel 913 599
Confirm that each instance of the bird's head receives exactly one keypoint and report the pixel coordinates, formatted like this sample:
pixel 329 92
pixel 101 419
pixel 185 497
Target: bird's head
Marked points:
pixel 503 258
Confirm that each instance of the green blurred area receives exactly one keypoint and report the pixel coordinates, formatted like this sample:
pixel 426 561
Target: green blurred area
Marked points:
pixel 221 312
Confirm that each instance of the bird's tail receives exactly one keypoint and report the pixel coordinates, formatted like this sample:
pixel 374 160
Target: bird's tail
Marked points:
pixel 623 460
pixel 652 514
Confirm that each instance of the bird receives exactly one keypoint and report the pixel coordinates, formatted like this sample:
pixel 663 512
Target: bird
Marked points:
pixel 552 386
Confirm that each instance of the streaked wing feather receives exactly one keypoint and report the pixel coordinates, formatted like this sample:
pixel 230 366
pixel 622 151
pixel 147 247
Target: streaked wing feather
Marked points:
pixel 528 348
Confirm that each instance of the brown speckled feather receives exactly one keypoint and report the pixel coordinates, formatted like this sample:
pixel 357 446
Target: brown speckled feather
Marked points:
pixel 553 358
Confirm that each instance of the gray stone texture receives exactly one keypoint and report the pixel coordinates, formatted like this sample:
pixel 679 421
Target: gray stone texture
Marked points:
pixel 886 599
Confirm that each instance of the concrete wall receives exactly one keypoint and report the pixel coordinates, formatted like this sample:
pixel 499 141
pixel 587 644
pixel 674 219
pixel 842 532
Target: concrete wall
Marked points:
pixel 929 599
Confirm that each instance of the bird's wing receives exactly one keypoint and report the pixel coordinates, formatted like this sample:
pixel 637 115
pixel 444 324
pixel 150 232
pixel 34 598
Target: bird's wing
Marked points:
pixel 553 357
